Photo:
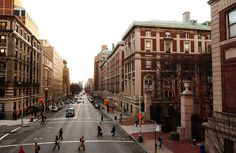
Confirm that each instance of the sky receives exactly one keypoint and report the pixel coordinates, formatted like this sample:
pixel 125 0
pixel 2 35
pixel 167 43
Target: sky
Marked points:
pixel 78 28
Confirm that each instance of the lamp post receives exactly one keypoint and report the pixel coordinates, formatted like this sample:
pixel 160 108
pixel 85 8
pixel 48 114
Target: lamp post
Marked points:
pixel 22 108
pixel 22 105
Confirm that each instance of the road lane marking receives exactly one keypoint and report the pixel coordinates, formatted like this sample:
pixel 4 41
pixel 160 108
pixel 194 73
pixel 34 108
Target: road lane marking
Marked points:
pixel 12 131
pixel 75 141
pixel 4 136
pixel 15 130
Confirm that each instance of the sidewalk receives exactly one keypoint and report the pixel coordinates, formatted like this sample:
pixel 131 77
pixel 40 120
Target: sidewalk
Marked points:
pixel 148 133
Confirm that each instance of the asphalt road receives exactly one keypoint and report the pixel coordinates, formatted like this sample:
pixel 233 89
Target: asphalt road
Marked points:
pixel 83 124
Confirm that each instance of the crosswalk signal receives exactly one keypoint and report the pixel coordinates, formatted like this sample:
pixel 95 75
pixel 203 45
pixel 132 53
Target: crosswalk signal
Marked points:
pixel 142 107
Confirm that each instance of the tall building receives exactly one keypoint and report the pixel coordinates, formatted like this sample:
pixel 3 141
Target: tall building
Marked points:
pixel 14 7
pixel 20 59
pixel 99 60
pixel 57 77
pixel 46 72
pixel 220 133
pixel 66 80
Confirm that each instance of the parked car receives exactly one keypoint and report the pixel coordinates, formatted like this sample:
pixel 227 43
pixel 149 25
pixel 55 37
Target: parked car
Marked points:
pixel 54 108
pixel 97 105
pixel 70 112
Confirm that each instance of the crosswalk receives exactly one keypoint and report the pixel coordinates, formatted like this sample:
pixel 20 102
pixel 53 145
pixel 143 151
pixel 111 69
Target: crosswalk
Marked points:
pixel 74 141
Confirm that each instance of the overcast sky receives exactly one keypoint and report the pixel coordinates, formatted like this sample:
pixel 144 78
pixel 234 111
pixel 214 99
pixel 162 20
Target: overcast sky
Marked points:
pixel 78 28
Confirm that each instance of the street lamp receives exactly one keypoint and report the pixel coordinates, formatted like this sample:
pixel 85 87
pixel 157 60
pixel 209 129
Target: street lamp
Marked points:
pixel 22 105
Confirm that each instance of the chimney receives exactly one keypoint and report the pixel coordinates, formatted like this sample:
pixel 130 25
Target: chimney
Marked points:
pixel 113 46
pixel 186 17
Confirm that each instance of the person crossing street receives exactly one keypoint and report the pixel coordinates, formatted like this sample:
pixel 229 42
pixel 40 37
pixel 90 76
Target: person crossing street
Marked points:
pixel 60 134
pixel 56 144
pixel 82 143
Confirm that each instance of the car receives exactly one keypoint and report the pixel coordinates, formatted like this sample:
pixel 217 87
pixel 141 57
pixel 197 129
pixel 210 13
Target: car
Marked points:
pixel 54 108
pixel 70 112
pixel 97 105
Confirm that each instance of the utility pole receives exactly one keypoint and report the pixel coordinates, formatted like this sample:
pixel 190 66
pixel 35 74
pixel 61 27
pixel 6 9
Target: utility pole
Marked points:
pixel 22 107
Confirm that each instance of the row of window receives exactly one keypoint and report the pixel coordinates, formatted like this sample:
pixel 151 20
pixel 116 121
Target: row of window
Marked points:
pixel 168 34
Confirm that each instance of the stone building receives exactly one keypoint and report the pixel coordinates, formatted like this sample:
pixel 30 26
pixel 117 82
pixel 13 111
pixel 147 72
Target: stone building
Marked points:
pixel 20 67
pixel 220 133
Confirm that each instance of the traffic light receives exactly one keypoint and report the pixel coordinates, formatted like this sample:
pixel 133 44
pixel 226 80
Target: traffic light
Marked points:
pixel 142 107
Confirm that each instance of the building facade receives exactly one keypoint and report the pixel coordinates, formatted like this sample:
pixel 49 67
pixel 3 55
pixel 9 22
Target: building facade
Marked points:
pixel 46 72
pixel 66 79
pixel 20 67
pixel 220 134
pixel 152 50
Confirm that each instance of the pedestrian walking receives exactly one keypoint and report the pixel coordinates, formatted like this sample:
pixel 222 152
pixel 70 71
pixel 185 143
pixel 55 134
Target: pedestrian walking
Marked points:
pixel 113 131
pixel 160 139
pixel 136 122
pixel 21 150
pixel 81 140
pixel 43 120
pixel 36 147
pixel 60 134
pixel 101 122
pixel 56 143
pixel 99 131
pixel 202 148
pixel 121 117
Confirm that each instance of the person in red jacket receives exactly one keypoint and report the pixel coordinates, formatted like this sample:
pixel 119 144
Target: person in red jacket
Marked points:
pixel 21 150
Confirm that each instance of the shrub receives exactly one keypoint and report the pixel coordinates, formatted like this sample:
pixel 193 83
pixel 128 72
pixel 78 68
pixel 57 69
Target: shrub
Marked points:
pixel 174 135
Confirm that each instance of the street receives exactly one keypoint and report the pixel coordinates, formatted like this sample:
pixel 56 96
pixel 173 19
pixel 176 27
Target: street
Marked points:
pixel 84 123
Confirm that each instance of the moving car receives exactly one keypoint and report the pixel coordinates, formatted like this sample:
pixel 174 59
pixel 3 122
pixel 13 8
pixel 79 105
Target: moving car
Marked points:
pixel 70 112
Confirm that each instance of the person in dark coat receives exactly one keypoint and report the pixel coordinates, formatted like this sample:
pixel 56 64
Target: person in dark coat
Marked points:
pixel 99 131
pixel 56 143
pixel 113 131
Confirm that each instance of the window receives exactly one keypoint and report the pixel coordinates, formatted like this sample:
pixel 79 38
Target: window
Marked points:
pixel 200 47
pixel 3 39
pixel 148 45
pixel 2 66
pixel 17 28
pixel 186 35
pixel 186 46
pixel 148 33
pixel 228 146
pixel 168 45
pixel 167 34
pixel 3 25
pixel 2 50
pixel 148 64
pixel 232 23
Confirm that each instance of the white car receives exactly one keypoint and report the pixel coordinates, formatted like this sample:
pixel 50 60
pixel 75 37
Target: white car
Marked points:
pixel 54 108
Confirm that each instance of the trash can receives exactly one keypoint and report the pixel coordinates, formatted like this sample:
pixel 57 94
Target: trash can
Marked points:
pixel 140 139
pixel 31 119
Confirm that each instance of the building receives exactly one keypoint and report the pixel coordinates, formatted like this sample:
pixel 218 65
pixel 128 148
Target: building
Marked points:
pixel 14 7
pixel 112 77
pixel 20 67
pixel 89 87
pixel 99 60
pixel 56 82
pixel 66 79
pixel 220 134
pixel 46 72
pixel 156 52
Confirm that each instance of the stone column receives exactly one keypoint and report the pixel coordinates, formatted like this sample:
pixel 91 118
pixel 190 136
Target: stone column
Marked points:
pixel 148 102
pixel 187 105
